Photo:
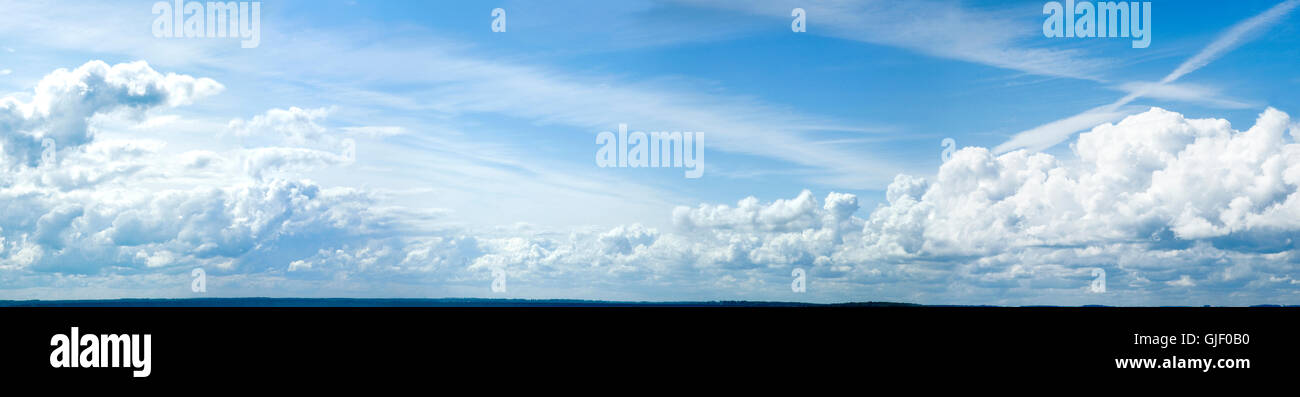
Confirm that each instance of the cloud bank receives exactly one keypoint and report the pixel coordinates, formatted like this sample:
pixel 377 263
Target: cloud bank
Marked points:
pixel 1174 210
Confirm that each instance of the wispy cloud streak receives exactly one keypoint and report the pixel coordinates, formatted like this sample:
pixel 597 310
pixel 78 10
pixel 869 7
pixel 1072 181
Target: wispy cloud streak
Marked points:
pixel 1050 134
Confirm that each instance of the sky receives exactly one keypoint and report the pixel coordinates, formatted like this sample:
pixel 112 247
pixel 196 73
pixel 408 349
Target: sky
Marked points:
pixel 935 152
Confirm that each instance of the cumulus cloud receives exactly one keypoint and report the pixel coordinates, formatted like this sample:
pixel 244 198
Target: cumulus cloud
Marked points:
pixel 1151 174
pixel 122 205
pixel 1158 201
pixel 1153 187
pixel 65 101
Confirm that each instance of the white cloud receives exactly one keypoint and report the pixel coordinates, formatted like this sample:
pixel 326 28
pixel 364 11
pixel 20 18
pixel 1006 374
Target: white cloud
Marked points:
pixel 1151 173
pixel 749 214
pixel 1154 183
pixel 1182 281
pixel 65 101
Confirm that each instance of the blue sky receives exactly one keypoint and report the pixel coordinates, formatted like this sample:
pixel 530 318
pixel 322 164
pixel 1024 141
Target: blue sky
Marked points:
pixel 1171 168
